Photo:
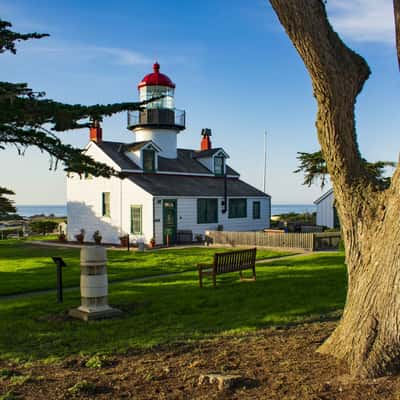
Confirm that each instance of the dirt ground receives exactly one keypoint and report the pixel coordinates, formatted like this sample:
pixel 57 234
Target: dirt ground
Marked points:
pixel 278 363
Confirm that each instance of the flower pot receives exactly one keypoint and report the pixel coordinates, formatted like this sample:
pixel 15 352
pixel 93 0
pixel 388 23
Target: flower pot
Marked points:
pixel 124 240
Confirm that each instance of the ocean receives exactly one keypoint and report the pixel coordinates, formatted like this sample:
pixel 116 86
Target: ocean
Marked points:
pixel 61 210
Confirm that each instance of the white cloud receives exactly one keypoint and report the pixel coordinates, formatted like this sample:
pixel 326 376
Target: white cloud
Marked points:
pixel 363 20
pixel 123 56
pixel 113 55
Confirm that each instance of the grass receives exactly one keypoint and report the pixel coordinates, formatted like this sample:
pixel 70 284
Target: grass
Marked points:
pixel 27 267
pixel 175 309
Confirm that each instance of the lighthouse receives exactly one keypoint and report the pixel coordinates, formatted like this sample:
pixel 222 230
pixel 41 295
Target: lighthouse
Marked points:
pixel 159 121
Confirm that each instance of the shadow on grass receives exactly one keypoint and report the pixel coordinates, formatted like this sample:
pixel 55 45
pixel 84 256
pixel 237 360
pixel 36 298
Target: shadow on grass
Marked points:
pixel 174 309
pixel 25 267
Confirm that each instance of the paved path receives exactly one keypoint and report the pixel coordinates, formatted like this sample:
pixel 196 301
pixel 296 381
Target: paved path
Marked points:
pixel 143 278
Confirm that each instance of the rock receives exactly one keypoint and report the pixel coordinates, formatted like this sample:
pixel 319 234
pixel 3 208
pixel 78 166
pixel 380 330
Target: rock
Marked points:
pixel 224 381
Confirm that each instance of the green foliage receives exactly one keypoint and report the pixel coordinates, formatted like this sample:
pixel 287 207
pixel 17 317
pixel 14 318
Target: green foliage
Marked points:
pixel 8 38
pixel 96 362
pixel 314 167
pixel 6 373
pixel 43 226
pixel 27 118
pixel 82 387
pixel 8 396
pixel 6 205
pixel 20 379
pixel 294 217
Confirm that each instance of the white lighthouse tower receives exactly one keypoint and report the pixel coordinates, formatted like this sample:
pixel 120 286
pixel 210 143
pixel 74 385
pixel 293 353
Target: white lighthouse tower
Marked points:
pixel 159 121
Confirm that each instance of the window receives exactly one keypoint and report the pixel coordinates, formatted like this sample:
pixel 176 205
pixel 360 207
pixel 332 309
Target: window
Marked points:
pixel 219 165
pixel 207 211
pixel 256 210
pixel 149 164
pixel 237 208
pixel 105 208
pixel 136 220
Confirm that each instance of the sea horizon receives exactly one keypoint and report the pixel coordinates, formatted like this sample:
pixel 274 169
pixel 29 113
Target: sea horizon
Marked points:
pixel 60 210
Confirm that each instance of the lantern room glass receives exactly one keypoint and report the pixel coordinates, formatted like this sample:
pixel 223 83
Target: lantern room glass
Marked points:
pixel 149 92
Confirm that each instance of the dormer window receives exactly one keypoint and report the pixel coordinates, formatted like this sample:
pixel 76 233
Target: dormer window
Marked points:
pixel 219 165
pixel 149 160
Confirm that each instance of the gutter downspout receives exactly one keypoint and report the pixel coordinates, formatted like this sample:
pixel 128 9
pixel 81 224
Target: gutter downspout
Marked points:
pixel 225 194
pixel 120 206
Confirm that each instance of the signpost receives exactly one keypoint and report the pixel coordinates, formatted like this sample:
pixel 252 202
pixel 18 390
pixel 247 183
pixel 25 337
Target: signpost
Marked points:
pixel 60 264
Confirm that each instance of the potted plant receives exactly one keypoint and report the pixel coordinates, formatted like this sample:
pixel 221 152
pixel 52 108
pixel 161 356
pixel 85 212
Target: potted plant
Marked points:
pixel 152 243
pixel 80 236
pixel 124 240
pixel 62 237
pixel 97 237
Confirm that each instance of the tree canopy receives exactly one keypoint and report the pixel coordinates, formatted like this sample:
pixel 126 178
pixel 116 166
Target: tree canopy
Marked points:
pixel 28 118
pixel 314 167
pixel 6 205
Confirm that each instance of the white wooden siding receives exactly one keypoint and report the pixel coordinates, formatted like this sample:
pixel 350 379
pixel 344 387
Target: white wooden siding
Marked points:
pixel 325 211
pixel 187 216
pixel 84 205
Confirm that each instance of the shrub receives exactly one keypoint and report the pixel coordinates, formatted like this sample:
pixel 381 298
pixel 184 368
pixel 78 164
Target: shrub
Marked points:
pixel 43 226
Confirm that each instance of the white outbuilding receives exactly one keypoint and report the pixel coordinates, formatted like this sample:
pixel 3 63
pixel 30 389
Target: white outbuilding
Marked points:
pixel 166 191
pixel 326 210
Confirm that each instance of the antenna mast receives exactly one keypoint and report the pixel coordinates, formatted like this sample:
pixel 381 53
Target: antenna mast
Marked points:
pixel 265 162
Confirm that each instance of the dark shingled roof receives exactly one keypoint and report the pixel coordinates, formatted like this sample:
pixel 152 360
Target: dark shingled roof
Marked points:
pixel 192 186
pixel 206 153
pixel 185 163
pixel 136 146
pixel 115 151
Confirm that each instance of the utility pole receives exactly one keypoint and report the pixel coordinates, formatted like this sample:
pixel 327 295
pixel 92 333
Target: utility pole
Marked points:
pixel 265 162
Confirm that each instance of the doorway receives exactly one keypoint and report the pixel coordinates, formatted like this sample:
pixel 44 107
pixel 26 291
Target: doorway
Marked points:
pixel 169 221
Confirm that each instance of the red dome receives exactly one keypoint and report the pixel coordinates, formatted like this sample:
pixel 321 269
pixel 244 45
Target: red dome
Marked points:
pixel 156 78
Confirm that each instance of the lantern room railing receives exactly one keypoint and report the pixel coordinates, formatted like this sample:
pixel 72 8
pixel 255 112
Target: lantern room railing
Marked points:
pixel 162 117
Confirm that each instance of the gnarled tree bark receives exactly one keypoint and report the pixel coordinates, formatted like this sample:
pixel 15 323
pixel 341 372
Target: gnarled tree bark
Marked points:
pixel 368 335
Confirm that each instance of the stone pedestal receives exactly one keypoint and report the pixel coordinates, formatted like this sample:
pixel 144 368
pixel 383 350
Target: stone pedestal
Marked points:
pixel 94 286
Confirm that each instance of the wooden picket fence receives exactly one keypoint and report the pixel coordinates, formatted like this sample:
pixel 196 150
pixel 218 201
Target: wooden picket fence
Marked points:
pixel 304 241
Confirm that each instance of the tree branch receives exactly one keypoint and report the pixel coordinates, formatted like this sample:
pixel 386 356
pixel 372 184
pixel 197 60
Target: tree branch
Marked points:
pixel 338 75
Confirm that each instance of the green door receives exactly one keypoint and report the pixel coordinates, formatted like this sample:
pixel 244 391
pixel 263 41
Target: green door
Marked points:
pixel 169 221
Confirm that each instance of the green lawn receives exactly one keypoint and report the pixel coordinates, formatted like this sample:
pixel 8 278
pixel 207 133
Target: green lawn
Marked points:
pixel 175 309
pixel 26 267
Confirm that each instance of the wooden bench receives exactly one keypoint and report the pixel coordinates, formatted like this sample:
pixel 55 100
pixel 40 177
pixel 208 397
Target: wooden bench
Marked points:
pixel 229 262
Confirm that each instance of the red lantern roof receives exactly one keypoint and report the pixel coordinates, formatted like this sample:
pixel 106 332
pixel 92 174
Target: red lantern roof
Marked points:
pixel 156 78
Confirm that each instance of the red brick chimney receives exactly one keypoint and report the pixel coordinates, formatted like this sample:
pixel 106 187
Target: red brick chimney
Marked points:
pixel 96 133
pixel 206 142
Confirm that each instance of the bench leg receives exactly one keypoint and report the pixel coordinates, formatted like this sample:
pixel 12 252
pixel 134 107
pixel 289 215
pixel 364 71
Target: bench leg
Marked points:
pixel 254 273
pixel 241 275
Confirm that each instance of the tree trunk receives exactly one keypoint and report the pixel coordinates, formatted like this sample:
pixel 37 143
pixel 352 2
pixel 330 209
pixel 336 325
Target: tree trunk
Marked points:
pixel 368 335
pixel 396 7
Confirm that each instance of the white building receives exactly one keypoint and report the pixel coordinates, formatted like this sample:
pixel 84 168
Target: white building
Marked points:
pixel 326 211
pixel 165 189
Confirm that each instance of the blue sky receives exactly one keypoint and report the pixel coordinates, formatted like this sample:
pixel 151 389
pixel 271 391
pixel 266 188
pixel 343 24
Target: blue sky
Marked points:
pixel 236 72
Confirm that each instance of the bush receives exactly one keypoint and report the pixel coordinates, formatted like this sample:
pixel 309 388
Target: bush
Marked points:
pixel 43 226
